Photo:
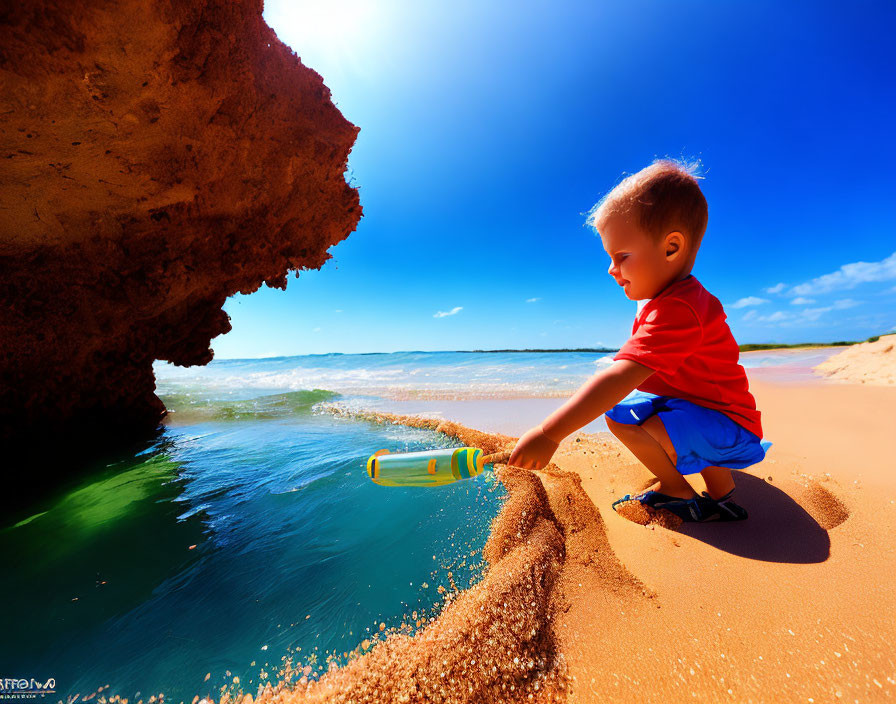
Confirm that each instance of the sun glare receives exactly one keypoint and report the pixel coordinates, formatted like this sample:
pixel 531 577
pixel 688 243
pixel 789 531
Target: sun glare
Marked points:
pixel 332 37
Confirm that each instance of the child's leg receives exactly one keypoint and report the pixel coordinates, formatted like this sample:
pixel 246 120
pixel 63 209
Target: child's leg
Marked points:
pixel 718 481
pixel 650 443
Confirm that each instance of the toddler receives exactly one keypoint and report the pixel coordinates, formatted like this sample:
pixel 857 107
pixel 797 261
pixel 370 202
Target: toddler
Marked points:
pixel 675 394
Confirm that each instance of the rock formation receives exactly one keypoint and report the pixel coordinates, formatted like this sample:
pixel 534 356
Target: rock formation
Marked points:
pixel 157 157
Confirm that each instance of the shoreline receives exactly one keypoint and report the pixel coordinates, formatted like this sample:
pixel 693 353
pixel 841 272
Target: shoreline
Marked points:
pixel 513 413
pixel 788 602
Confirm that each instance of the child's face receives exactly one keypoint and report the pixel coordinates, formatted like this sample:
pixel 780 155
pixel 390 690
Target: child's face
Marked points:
pixel 638 262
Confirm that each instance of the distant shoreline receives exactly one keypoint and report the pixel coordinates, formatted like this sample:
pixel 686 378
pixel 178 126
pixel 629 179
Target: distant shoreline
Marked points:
pixel 577 349
pixel 752 347
pixel 810 345
pixel 743 348
pixel 802 345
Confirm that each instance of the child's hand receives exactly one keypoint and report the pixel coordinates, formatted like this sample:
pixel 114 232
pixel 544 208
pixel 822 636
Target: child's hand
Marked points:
pixel 533 450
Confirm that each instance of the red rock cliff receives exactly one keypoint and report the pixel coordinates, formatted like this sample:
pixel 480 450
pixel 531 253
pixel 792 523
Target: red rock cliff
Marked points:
pixel 156 157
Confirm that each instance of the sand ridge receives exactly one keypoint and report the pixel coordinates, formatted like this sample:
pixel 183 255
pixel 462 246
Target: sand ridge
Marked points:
pixel 865 363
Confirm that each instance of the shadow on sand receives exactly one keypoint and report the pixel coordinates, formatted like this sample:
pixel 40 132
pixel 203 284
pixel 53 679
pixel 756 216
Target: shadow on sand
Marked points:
pixel 778 529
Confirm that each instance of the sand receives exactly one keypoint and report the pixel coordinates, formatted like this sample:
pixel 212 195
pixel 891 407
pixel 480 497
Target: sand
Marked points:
pixel 794 604
pixel 579 604
pixel 866 363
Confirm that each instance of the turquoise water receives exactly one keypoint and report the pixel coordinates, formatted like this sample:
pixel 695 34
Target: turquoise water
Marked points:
pixel 249 531
pixel 296 552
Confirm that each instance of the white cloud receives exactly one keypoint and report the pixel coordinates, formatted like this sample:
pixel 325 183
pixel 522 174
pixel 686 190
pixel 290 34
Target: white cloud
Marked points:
pixel 532 300
pixel 316 330
pixel 777 288
pixel 845 303
pixel 748 301
pixel 800 301
pixel 849 276
pixel 812 314
pixel 794 319
pixel 816 313
pixel 776 317
pixel 338 310
pixel 453 311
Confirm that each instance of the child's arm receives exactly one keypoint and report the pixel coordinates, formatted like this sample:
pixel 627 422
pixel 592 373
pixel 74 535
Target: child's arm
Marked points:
pixel 596 396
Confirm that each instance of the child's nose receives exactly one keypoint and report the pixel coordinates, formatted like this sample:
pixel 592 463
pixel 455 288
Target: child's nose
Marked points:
pixel 613 270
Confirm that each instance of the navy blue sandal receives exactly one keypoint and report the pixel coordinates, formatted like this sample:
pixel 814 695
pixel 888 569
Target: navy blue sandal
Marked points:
pixel 691 510
pixel 726 508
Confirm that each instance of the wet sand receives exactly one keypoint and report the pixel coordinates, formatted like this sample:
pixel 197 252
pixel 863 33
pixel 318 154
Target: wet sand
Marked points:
pixel 579 604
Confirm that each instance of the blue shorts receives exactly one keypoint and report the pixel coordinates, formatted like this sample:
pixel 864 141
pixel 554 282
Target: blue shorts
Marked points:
pixel 701 436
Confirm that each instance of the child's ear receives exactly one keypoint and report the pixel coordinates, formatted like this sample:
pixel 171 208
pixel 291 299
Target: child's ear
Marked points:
pixel 674 245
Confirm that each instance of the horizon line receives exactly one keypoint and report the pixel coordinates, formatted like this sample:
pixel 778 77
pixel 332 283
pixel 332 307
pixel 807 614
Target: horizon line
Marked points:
pixel 759 345
pixel 325 354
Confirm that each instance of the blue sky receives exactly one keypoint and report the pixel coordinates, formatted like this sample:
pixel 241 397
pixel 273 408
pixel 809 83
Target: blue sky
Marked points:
pixel 489 129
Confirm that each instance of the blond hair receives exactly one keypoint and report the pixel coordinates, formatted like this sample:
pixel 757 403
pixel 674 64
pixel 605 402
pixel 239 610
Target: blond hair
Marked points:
pixel 662 198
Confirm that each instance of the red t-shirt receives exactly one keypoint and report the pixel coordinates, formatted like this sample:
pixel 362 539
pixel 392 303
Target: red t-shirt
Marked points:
pixel 682 335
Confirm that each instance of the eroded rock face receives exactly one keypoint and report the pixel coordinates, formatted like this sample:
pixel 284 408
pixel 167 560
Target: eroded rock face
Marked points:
pixel 156 157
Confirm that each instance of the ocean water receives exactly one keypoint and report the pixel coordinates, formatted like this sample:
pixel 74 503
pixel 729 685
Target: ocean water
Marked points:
pixel 397 375
pixel 415 375
pixel 249 532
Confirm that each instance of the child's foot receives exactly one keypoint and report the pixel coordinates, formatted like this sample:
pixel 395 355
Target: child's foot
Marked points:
pixel 691 510
pixel 726 509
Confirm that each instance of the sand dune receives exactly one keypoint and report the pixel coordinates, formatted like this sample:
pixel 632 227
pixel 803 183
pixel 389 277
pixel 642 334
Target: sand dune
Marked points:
pixel 866 363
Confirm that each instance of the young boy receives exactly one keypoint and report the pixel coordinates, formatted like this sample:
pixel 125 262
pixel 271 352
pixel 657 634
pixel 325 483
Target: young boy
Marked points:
pixel 692 411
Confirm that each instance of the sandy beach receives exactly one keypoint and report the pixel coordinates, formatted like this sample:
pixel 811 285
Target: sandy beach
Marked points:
pixel 793 605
